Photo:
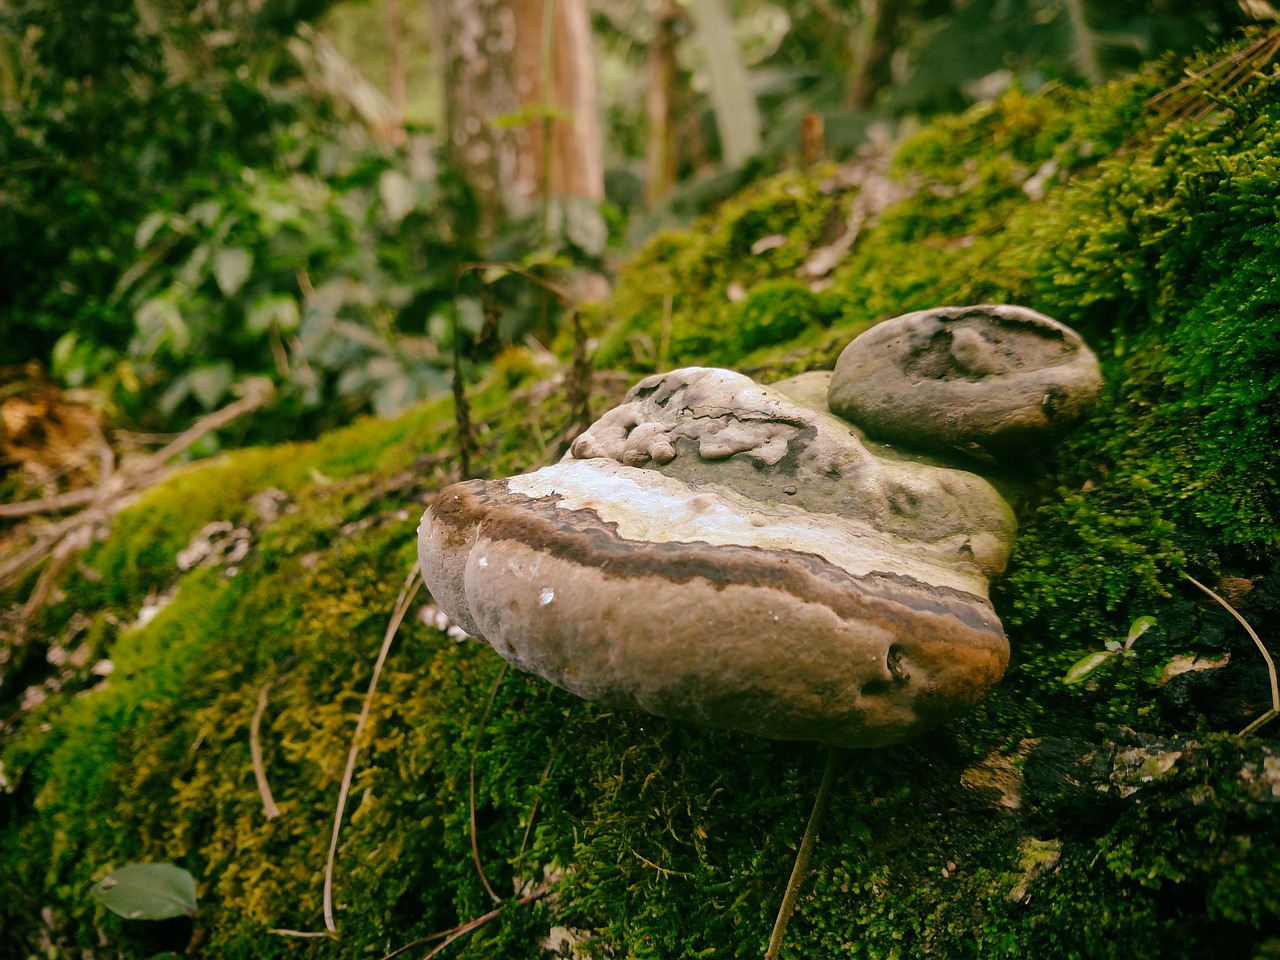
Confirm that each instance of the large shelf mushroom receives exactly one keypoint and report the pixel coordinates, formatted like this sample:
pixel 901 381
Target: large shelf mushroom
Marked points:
pixel 722 552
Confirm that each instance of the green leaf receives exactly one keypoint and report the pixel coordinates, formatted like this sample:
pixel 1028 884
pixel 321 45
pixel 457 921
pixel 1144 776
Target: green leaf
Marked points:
pixel 728 82
pixel 209 384
pixel 193 272
pixel 1086 665
pixel 392 396
pixel 397 193
pixel 148 891
pixel 63 350
pixel 158 321
pixel 177 391
pixel 470 315
pixel 147 229
pixel 584 225
pixel 278 310
pixel 231 268
pixel 206 212
pixel 1138 628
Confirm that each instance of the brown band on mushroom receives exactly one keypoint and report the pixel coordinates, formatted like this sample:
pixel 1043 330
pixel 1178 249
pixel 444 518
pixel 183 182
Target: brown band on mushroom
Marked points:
pixel 781 643
pixel 480 508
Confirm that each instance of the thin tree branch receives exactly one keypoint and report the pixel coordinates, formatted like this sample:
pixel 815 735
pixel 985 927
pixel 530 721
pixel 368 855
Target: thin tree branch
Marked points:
pixel 205 425
pixel 478 922
pixel 54 504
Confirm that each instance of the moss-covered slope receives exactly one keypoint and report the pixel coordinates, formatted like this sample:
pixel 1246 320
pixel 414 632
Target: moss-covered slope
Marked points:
pixel 1120 818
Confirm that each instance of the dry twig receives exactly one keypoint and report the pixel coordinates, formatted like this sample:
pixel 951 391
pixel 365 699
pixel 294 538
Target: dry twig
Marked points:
pixel 475 752
pixel 801 866
pixel 462 929
pixel 114 491
pixel 1266 655
pixel 255 751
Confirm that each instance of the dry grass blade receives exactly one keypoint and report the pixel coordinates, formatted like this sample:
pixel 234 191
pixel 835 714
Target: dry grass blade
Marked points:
pixel 801 866
pixel 303 934
pixel 1197 96
pixel 462 929
pixel 54 504
pixel 471 925
pixel 1266 655
pixel 407 593
pixel 475 752
pixel 269 807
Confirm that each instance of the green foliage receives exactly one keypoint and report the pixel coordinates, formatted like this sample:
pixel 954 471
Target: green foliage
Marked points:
pixel 1087 664
pixel 335 283
pixel 181 222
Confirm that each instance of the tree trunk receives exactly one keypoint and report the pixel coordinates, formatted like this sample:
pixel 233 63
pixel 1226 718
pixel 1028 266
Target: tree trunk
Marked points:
pixel 660 158
pixel 395 60
pixel 512 75
pixel 873 45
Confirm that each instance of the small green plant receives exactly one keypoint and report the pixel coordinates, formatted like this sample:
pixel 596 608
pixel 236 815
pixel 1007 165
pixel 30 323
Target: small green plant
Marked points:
pixel 148 891
pixel 1090 662
pixel 158 892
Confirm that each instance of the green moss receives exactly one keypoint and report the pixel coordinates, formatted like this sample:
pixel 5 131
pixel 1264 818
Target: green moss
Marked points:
pixel 675 294
pixel 776 311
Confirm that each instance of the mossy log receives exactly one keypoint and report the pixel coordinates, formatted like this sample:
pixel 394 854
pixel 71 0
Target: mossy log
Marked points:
pixel 1121 817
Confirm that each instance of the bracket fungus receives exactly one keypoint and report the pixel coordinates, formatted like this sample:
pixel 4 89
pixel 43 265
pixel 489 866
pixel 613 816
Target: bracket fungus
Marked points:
pixel 736 555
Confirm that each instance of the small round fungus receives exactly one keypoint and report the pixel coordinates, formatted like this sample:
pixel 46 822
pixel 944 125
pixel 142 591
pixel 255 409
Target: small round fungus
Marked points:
pixel 731 554
pixel 986 380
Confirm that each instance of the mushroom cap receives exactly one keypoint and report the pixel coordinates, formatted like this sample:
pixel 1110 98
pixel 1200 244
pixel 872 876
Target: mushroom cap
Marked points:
pixel 711 426
pixel 692 602
pixel 716 551
pixel 987 380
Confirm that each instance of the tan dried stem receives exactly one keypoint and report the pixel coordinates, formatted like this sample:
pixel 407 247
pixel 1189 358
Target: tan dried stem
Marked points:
pixel 471 803
pixel 1199 94
pixel 803 855
pixel 269 807
pixel 1266 655
pixel 407 593
pixel 462 929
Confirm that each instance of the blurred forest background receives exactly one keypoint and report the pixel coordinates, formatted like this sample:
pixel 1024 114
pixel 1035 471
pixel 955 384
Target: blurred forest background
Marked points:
pixel 202 202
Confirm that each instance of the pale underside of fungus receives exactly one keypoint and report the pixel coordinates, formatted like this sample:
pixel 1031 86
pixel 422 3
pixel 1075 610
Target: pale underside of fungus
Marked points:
pixel 732 554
